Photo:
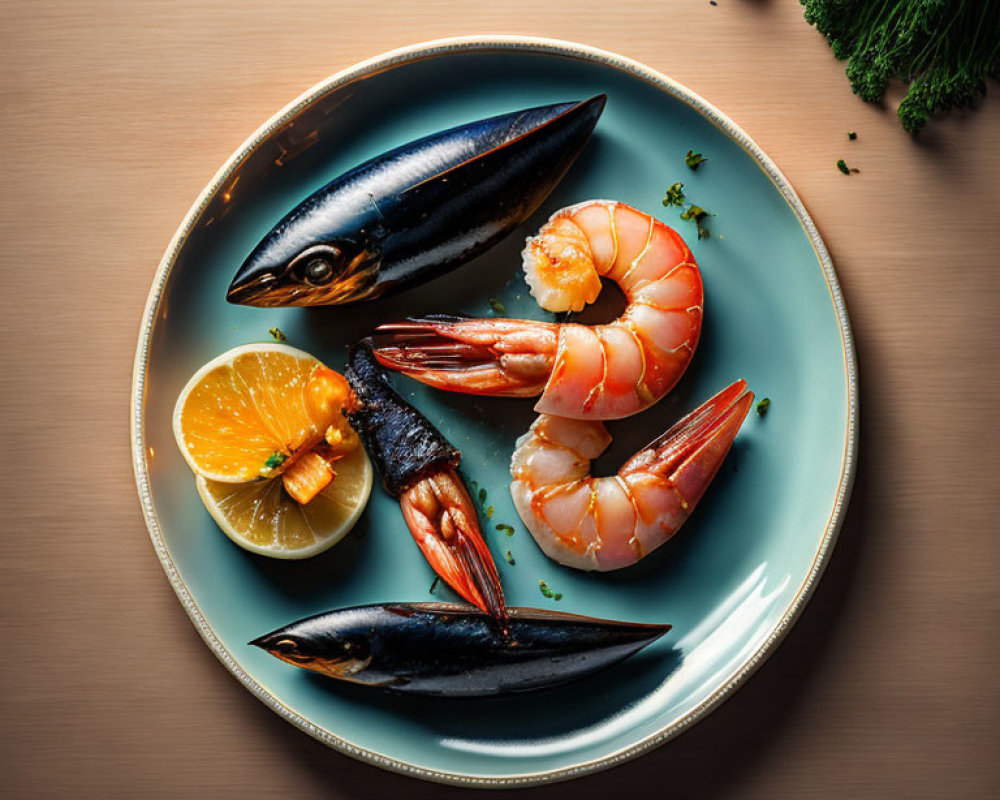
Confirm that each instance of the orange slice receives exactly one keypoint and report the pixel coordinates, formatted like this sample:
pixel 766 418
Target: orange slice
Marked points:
pixel 261 517
pixel 277 465
pixel 251 412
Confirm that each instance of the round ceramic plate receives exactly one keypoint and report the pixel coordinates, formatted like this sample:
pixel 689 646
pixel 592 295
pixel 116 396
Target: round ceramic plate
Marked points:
pixel 731 582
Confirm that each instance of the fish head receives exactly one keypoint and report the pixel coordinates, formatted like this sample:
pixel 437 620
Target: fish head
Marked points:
pixel 338 654
pixel 306 261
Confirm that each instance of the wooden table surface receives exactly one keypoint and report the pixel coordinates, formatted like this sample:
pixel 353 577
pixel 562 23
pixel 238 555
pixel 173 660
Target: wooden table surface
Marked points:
pixel 116 114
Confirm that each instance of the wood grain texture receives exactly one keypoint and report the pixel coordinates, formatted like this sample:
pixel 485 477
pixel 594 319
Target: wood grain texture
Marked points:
pixel 115 114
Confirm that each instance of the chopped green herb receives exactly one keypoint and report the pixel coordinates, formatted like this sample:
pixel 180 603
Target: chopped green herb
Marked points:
pixel 852 135
pixel 278 334
pixel 699 215
pixel 694 160
pixel 543 587
pixel 497 306
pixel 489 512
pixel 674 195
pixel 763 406
pixel 437 579
pixel 275 460
pixel 482 495
pixel 509 558
pixel 842 166
pixel 504 528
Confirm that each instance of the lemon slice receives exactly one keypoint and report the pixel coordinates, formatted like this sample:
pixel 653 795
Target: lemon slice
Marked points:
pixel 260 516
pixel 248 411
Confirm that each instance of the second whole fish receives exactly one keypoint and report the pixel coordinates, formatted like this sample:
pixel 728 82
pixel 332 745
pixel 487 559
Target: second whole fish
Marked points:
pixel 453 650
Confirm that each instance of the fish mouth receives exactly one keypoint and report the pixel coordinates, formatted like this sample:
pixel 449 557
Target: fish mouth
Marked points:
pixel 252 291
pixel 266 291
pixel 284 647
pixel 333 665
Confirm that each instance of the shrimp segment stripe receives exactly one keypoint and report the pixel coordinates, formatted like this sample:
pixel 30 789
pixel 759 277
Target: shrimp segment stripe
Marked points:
pixel 598 389
pixel 641 389
pixel 611 207
pixel 645 301
pixel 633 541
pixel 623 281
pixel 541 496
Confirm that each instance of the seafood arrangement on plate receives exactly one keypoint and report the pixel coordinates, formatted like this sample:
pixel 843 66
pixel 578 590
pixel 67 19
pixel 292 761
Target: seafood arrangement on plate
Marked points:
pixel 282 445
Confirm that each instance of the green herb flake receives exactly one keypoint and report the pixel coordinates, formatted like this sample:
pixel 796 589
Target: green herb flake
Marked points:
pixel 278 334
pixel 674 195
pixel 497 306
pixel 694 160
pixel 509 558
pixel 699 215
pixel 763 406
pixel 275 460
pixel 482 495
pixel 505 528
pixel 489 512
pixel 437 580
pixel 852 135
pixel 543 587
pixel 842 166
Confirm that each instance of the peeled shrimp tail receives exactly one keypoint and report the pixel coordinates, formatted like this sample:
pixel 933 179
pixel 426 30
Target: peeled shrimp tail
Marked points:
pixel 607 523
pixel 691 452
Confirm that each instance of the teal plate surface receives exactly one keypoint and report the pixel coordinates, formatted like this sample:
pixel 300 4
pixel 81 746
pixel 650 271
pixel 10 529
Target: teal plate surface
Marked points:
pixel 731 582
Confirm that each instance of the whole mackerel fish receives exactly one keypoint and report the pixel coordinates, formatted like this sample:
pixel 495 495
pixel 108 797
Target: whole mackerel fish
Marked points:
pixel 416 212
pixel 454 650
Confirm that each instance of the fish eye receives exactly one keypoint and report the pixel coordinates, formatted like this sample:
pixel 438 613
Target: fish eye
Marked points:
pixel 286 646
pixel 318 271
pixel 318 265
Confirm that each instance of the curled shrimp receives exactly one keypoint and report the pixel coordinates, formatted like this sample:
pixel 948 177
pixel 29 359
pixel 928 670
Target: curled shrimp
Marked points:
pixel 611 522
pixel 582 371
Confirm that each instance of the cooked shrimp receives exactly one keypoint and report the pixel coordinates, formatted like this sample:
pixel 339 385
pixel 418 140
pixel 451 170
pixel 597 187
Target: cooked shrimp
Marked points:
pixel 582 371
pixel 611 522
